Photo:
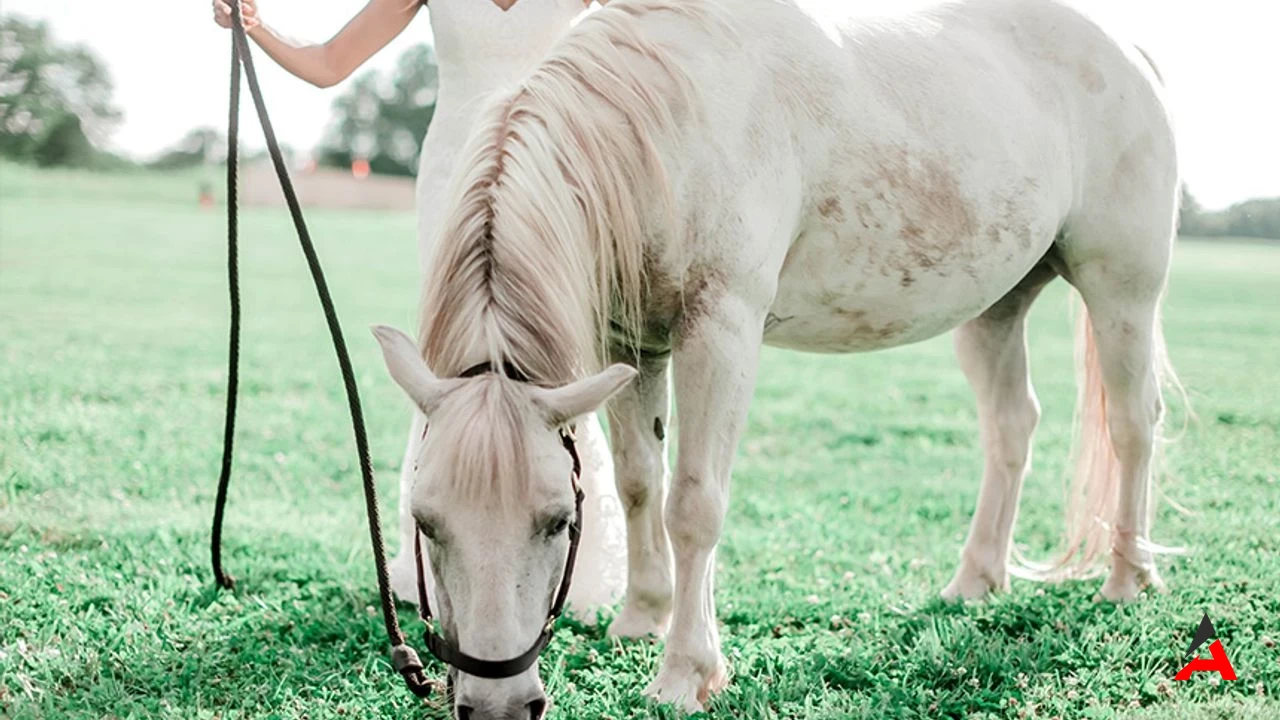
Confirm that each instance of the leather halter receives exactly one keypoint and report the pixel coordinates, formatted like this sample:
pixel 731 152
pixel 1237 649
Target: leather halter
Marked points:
pixel 445 651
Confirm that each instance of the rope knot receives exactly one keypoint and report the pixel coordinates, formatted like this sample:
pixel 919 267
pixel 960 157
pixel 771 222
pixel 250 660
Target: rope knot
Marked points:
pixel 406 662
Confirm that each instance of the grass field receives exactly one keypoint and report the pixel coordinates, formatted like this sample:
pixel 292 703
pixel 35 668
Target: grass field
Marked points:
pixel 852 494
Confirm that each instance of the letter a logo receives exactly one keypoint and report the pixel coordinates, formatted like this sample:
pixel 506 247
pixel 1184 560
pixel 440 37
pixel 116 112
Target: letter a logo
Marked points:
pixel 1219 662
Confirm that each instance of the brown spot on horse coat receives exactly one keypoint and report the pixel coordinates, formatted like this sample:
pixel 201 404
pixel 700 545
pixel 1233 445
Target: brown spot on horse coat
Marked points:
pixel 849 313
pixel 1134 165
pixel 878 333
pixel 935 218
pixel 928 193
pixel 1091 77
pixel 703 285
pixel 832 209
pixel 1016 216
pixel 912 233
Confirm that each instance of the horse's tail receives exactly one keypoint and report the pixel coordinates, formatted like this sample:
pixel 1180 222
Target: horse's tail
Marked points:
pixel 1091 504
pixel 1094 490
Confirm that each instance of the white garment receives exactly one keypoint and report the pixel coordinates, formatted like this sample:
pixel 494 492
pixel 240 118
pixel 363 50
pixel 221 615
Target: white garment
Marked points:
pixel 480 48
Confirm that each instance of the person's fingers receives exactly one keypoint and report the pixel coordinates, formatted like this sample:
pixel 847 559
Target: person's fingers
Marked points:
pixel 222 14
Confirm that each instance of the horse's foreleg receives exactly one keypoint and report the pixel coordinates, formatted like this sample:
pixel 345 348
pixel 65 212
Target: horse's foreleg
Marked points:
pixel 992 350
pixel 637 424
pixel 715 372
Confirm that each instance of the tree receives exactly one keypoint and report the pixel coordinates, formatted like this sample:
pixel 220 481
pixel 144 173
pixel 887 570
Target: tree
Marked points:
pixel 65 145
pixel 1189 220
pixel 201 146
pixel 1259 218
pixel 51 94
pixel 385 120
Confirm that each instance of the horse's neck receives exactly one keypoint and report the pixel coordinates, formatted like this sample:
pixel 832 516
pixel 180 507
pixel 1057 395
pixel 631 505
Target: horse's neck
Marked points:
pixel 481 47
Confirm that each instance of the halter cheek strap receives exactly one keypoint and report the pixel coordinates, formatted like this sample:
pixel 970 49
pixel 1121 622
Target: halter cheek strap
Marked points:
pixel 446 652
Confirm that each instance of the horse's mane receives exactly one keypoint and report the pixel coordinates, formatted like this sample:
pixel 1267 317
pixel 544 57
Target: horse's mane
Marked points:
pixel 542 243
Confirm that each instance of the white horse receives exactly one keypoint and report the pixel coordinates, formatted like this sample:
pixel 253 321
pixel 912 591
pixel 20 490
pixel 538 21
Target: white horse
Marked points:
pixel 682 181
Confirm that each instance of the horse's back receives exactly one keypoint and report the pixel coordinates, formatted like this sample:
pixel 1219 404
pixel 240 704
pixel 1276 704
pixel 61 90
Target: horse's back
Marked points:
pixel 1027 84
pixel 914 166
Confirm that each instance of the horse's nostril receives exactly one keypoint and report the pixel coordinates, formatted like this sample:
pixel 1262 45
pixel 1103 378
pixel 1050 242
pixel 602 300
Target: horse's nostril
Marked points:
pixel 537 709
pixel 464 712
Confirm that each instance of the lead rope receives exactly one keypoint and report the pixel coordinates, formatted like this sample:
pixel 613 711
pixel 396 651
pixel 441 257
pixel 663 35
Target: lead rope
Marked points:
pixel 233 284
pixel 403 658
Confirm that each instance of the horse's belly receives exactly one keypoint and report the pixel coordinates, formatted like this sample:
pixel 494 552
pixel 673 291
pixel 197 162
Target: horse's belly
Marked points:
pixel 859 324
pixel 840 293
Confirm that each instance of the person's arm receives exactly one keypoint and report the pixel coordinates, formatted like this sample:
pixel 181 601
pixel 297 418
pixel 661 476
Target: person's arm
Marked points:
pixel 330 63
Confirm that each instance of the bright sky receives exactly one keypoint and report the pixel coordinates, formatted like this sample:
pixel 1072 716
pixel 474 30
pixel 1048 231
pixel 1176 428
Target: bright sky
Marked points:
pixel 170 66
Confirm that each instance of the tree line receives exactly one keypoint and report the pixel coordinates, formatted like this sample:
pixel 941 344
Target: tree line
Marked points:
pixel 55 100
pixel 1256 218
pixel 56 109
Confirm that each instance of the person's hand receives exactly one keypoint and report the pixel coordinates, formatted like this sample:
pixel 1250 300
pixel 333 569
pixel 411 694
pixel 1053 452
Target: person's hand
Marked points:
pixel 248 13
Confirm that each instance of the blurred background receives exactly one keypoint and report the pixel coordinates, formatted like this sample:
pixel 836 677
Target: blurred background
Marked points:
pixel 92 85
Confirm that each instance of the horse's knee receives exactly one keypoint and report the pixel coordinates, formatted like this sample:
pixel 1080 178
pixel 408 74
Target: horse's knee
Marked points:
pixel 1131 438
pixel 1016 420
pixel 638 472
pixel 1014 446
pixel 634 495
pixel 695 511
pixel 1133 421
pixel 1019 412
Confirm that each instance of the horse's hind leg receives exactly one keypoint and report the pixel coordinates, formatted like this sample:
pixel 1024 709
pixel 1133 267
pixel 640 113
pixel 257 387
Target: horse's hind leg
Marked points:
pixel 992 350
pixel 1122 293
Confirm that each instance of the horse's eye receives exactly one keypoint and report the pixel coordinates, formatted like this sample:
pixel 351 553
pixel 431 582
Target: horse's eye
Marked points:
pixel 558 527
pixel 428 531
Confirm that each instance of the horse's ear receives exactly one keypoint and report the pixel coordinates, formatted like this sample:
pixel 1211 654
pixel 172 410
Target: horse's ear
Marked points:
pixel 408 369
pixel 580 397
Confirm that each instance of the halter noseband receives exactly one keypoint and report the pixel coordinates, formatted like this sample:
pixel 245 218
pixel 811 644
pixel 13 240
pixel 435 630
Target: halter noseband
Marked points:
pixel 449 654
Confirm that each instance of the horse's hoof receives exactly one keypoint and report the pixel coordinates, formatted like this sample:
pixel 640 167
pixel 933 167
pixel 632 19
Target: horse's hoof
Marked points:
pixel 679 684
pixel 1127 581
pixel 632 623
pixel 971 583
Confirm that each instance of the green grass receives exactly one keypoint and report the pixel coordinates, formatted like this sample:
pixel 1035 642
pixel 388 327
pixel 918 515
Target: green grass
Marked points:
pixel 851 498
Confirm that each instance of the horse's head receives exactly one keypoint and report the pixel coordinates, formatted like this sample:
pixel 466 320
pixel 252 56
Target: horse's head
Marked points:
pixel 495 498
